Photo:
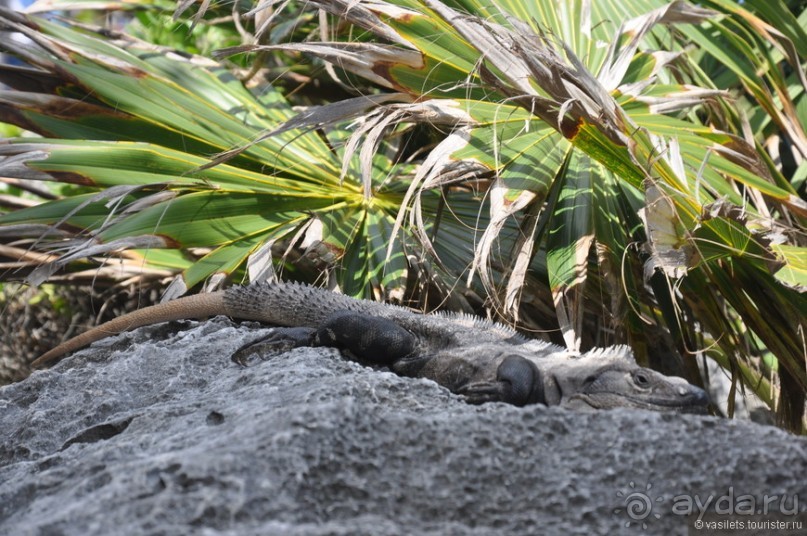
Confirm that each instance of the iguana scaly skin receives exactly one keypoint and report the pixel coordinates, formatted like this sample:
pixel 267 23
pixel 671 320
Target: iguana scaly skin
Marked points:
pixel 480 360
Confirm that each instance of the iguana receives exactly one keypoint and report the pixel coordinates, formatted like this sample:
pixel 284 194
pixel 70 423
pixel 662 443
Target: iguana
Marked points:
pixel 481 360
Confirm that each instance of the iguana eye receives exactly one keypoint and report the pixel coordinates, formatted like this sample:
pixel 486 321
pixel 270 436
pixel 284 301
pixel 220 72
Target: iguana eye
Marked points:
pixel 641 379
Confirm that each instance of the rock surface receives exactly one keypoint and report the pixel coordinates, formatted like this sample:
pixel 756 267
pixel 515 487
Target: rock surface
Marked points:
pixel 158 432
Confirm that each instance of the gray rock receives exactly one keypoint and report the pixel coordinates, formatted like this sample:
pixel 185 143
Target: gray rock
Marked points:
pixel 158 432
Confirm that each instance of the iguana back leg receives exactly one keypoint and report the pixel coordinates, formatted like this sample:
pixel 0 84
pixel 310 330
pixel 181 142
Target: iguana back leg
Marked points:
pixel 368 338
pixel 518 382
pixel 279 341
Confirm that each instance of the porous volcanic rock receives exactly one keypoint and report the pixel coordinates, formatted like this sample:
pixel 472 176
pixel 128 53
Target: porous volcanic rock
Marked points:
pixel 158 432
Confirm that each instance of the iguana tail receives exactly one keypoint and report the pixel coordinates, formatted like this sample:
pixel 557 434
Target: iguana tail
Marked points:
pixel 197 306
pixel 285 304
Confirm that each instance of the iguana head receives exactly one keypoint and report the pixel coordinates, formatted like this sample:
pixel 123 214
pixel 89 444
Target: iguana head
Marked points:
pixel 603 382
pixel 639 388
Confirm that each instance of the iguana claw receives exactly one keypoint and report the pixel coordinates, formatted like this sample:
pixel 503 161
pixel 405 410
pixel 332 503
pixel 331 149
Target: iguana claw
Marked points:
pixel 279 341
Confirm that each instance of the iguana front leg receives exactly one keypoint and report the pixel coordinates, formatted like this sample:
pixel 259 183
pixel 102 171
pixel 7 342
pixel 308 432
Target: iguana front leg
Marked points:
pixel 518 382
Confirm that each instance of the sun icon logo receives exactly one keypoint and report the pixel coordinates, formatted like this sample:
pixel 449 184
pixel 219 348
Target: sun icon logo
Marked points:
pixel 638 505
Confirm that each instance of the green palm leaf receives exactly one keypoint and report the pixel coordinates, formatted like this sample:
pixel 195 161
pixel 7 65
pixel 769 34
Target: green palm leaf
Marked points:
pixel 561 98
pixel 158 117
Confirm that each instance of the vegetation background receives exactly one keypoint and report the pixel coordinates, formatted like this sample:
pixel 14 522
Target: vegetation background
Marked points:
pixel 593 172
